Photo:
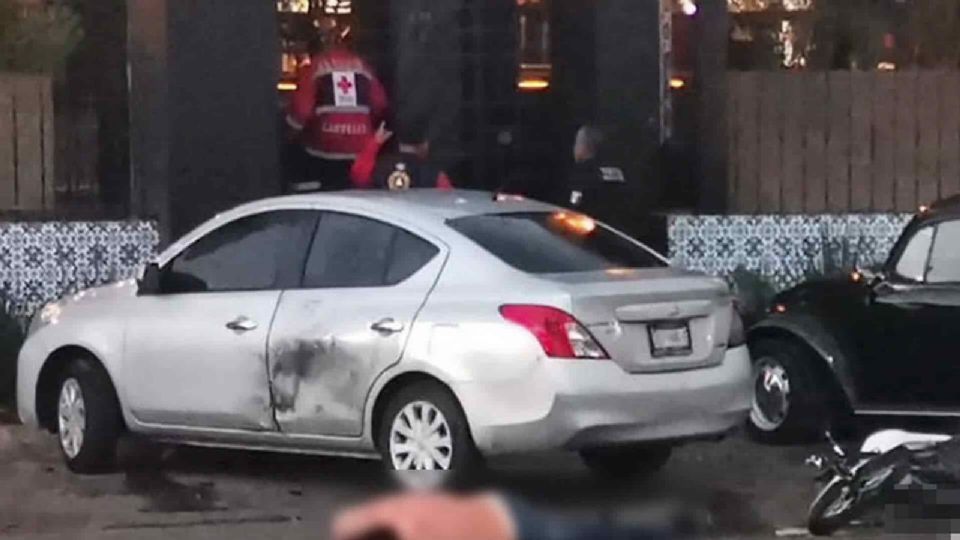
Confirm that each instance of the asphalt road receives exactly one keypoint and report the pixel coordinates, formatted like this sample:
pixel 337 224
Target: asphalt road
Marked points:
pixel 746 489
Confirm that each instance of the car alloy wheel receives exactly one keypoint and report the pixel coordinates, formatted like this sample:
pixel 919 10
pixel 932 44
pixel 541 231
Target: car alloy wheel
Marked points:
pixel 72 416
pixel 420 439
pixel 771 397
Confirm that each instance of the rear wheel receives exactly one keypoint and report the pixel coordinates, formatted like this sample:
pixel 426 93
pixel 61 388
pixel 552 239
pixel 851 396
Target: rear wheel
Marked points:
pixel 424 438
pixel 621 463
pixel 88 418
pixel 790 402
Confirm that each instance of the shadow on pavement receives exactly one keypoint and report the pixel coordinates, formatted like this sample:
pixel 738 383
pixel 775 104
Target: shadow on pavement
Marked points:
pixel 8 417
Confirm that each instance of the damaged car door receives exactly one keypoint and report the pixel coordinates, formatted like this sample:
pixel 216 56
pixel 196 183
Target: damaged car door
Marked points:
pixel 195 351
pixel 364 283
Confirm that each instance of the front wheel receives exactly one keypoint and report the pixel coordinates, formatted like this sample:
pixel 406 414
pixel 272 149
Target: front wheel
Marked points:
pixel 424 438
pixel 835 507
pixel 627 462
pixel 89 421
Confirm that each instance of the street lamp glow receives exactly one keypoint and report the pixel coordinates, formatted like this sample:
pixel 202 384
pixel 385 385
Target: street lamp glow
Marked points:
pixel 689 7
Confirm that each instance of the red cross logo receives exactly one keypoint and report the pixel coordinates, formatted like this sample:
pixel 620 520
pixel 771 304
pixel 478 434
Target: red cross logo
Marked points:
pixel 345 85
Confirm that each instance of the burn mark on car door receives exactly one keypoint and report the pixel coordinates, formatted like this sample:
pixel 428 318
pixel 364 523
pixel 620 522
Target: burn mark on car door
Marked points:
pixel 313 382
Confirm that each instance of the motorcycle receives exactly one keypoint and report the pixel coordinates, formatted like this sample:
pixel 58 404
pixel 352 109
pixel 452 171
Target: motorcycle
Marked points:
pixel 856 482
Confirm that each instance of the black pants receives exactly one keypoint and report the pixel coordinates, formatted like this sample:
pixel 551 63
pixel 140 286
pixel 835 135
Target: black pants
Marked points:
pixel 333 175
pixel 315 174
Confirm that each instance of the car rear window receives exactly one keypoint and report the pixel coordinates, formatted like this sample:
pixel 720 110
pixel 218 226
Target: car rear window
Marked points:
pixel 554 242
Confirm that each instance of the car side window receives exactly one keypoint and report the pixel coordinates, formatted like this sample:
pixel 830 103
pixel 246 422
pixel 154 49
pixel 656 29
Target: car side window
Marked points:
pixel 351 251
pixel 409 254
pixel 944 264
pixel 258 252
pixel 913 261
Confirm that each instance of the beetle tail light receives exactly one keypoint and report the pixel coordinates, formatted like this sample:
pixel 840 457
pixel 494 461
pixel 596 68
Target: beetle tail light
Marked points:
pixel 558 332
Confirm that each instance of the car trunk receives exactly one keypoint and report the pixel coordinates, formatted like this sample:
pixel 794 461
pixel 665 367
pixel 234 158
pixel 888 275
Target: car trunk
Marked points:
pixel 641 316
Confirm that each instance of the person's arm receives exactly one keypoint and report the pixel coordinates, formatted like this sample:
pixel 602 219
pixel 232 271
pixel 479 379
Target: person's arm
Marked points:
pixel 532 524
pixel 361 173
pixel 490 517
pixel 303 101
pixel 444 182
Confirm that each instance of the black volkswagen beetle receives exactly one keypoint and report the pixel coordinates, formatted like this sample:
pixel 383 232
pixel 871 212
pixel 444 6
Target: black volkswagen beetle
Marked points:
pixel 883 342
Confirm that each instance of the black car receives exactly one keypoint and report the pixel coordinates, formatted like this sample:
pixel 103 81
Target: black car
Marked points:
pixel 882 343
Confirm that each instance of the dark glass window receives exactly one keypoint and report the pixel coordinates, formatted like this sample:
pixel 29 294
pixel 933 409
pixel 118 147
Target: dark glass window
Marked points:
pixel 259 252
pixel 351 251
pixel 410 254
pixel 554 243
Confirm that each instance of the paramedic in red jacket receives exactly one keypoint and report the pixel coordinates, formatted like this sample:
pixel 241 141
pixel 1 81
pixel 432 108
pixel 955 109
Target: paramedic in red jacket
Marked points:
pixel 337 103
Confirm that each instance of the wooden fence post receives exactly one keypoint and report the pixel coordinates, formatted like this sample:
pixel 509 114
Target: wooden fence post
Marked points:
pixel 26 143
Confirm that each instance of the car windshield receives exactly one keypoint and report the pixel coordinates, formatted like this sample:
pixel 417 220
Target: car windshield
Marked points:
pixel 554 242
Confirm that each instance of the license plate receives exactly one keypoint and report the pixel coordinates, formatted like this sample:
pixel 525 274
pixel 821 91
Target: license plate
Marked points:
pixel 670 340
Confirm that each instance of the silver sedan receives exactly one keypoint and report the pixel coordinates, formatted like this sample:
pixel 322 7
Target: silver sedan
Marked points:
pixel 426 329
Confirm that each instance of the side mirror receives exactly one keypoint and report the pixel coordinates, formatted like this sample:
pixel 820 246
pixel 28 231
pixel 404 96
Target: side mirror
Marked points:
pixel 149 282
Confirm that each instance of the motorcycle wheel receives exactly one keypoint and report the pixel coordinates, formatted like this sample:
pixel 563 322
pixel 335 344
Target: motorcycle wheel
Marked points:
pixel 835 507
pixel 843 501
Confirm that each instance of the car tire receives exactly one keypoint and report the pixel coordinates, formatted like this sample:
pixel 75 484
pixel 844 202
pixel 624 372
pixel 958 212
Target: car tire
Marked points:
pixel 423 425
pixel 89 421
pixel 624 463
pixel 791 402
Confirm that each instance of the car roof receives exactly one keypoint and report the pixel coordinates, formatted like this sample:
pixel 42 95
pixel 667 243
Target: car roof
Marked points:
pixel 417 204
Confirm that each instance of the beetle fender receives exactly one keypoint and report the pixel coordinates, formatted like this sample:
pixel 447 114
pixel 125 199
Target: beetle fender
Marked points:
pixel 837 357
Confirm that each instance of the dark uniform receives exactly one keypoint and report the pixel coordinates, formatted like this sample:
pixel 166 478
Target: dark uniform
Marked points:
pixel 595 188
pixel 399 171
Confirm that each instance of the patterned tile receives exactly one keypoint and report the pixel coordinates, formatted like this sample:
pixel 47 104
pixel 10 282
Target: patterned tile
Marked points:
pixel 783 249
pixel 40 262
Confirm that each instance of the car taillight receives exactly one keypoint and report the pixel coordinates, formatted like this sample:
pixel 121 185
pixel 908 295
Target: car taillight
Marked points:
pixel 560 335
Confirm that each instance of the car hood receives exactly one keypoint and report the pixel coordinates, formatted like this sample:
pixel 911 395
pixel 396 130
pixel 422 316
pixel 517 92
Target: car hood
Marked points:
pixel 96 296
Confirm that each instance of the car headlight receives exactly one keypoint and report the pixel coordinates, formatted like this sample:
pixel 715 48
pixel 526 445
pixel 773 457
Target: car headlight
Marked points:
pixel 738 333
pixel 49 314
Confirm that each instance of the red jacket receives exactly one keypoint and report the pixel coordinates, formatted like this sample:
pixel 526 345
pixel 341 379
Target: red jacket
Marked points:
pixel 337 104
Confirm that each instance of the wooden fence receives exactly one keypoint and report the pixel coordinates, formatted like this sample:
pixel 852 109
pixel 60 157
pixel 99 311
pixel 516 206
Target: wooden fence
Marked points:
pixel 841 141
pixel 26 143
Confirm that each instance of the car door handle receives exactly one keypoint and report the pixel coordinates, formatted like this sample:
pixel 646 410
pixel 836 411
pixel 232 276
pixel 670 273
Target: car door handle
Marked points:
pixel 242 324
pixel 387 326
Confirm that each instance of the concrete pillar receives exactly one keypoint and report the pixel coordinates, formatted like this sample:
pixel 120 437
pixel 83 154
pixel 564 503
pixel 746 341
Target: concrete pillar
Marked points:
pixel 96 77
pixel 425 40
pixel 631 106
pixel 628 69
pixel 713 30
pixel 204 107
pixel 147 59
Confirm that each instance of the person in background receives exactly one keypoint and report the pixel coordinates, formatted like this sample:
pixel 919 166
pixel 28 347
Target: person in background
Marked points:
pixel 333 112
pixel 480 517
pixel 590 178
pixel 589 186
pixel 407 167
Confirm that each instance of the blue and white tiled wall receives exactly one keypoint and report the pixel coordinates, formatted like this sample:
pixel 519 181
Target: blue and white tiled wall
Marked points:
pixel 781 248
pixel 39 262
